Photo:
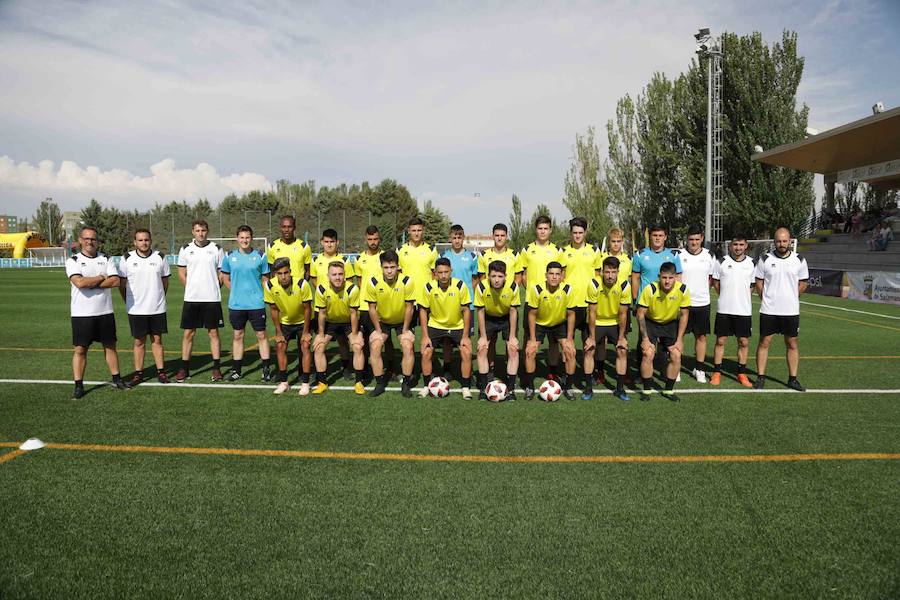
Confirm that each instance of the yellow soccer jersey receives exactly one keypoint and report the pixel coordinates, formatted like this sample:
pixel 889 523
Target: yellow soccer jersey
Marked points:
pixel 664 308
pixel 337 303
pixel 298 252
pixel 624 264
pixel 533 259
pixel 289 301
pixel 417 262
pixel 550 306
pixel 496 303
pixel 445 307
pixel 366 267
pixel 510 258
pixel 579 266
pixel 319 268
pixel 608 300
pixel 390 300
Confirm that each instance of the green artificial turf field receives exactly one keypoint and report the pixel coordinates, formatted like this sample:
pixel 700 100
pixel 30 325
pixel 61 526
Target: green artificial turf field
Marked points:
pixel 231 491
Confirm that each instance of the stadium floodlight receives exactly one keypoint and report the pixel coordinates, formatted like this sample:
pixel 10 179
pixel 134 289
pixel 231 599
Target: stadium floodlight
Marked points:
pixel 703 32
pixel 710 48
pixel 32 444
pixel 877 108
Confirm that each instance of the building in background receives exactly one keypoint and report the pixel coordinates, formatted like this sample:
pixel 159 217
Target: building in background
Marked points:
pixel 9 224
pixel 71 221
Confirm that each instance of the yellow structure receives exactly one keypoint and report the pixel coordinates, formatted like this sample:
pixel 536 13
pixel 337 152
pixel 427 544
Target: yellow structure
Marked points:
pixel 18 243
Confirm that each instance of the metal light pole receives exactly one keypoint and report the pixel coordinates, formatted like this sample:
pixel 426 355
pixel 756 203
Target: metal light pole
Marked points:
pixel 709 47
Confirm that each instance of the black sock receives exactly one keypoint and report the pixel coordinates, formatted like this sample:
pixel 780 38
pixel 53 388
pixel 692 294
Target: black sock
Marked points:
pixel 588 383
pixel 511 382
pixel 408 380
pixel 564 381
pixel 466 381
pixel 304 377
pixel 761 376
pixel 345 363
pixel 185 364
pixel 266 362
pixel 360 375
pixel 236 365
pixel 482 381
pixel 792 378
pixel 282 376
pixel 670 384
pixel 79 383
pixel 717 367
pixel 620 383
pixel 742 369
pixel 140 373
pixel 648 383
pixel 217 364
pixel 320 376
pixel 116 377
pixel 381 380
pixel 528 380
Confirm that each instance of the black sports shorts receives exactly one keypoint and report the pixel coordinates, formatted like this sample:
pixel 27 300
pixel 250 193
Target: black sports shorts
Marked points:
pixel 86 330
pixel 698 320
pixel 786 325
pixel 144 325
pixel 555 332
pixel 202 315
pixel 436 335
pixel 733 325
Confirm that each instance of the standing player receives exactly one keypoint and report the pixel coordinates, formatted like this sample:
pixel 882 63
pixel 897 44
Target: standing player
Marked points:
pixel 92 276
pixel 733 278
pixel 502 252
pixel 198 270
pixel 780 279
pixel 290 305
pixel 609 300
pixel 288 246
pixel 497 305
pixel 244 271
pixel 548 315
pixel 391 306
pixel 646 263
pixel 578 260
pixel 534 258
pixel 318 277
pixel 662 317
pixel 367 266
pixel 337 302
pixel 143 283
pixel 417 258
pixel 696 272
pixel 615 244
pixel 446 318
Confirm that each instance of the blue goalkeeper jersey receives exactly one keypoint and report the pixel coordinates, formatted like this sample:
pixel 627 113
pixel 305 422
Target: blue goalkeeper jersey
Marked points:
pixel 463 266
pixel 246 271
pixel 647 263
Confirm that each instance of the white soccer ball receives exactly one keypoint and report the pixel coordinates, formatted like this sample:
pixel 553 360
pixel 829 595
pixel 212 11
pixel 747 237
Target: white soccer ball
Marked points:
pixel 550 391
pixel 439 387
pixel 495 390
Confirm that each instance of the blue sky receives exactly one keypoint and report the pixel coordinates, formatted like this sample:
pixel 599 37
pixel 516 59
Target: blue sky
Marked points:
pixel 134 104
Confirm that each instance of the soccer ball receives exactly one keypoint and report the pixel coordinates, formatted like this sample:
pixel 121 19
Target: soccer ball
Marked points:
pixel 495 390
pixel 550 391
pixel 438 387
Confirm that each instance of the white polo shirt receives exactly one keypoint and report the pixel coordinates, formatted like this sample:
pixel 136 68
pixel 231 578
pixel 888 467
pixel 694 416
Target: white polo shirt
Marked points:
pixel 781 276
pixel 695 272
pixel 144 293
pixel 736 278
pixel 90 302
pixel 202 264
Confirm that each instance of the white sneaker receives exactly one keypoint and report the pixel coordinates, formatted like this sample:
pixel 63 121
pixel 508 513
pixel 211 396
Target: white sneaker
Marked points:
pixel 466 393
pixel 423 393
pixel 304 389
pixel 699 375
pixel 282 388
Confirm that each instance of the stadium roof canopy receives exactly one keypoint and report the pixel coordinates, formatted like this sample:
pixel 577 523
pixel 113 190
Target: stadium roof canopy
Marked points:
pixel 866 150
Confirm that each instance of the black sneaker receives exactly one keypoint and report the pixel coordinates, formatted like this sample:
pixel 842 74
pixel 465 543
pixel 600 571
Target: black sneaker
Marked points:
pixel 794 384
pixel 120 385
pixel 567 394
pixel 234 376
pixel 529 393
pixel 510 396
pixel 760 382
pixel 405 390
pixel 671 396
pixel 77 394
pixel 266 374
pixel 645 396
pixel 482 395
pixel 378 390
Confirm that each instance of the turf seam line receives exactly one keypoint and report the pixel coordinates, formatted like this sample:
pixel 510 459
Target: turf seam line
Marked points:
pixel 853 310
pixel 477 458
pixel 348 388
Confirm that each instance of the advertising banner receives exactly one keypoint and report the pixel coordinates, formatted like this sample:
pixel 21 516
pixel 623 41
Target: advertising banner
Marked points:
pixel 825 282
pixel 874 286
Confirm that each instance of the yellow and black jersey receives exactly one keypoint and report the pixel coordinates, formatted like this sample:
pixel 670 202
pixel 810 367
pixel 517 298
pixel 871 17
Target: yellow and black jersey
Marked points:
pixel 337 303
pixel 366 267
pixel 298 251
pixel 496 303
pixel 624 264
pixel 417 263
pixel 534 258
pixel 390 300
pixel 579 266
pixel 662 307
pixel 608 300
pixel 507 257
pixel 445 307
pixel 289 301
pixel 550 307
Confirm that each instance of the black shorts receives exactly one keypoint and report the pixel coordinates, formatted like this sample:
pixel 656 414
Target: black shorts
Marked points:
pixel 388 329
pixel 144 325
pixel 555 333
pixel 581 322
pixel 733 325
pixel 202 315
pixel 494 326
pixel 662 334
pixel 365 323
pixel 786 325
pixel 336 330
pixel 239 317
pixel 86 330
pixel 698 320
pixel 606 333
pixel 454 335
pixel 291 331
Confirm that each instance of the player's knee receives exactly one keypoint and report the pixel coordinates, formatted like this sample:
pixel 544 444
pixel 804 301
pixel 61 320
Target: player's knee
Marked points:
pixel 621 353
pixel 406 345
pixel 281 346
pixel 674 353
pixel 791 343
pixel 140 342
pixel 319 344
pixel 465 353
pixel 213 334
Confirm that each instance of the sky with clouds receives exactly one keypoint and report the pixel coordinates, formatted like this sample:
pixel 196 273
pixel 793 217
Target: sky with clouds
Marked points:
pixel 141 103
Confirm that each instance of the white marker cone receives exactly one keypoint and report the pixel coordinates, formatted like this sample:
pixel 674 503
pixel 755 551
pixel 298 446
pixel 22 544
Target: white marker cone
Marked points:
pixel 32 444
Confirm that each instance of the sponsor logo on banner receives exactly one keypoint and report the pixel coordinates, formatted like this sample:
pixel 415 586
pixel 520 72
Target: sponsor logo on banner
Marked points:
pixel 825 282
pixel 874 286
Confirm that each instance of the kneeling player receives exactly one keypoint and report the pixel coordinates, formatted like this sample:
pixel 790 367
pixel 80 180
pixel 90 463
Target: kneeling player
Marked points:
pixel 497 306
pixel 290 305
pixel 392 301
pixel 445 317
pixel 608 301
pixel 549 314
pixel 338 306
pixel 662 317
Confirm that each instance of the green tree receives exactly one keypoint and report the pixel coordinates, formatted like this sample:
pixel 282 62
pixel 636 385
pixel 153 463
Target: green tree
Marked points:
pixel 48 222
pixel 585 193
pixel 90 214
pixel 659 158
pixel 518 228
pixel 392 207
pixel 623 175
pixel 436 223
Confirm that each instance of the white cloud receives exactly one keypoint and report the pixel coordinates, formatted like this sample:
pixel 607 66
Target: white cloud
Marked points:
pixel 165 182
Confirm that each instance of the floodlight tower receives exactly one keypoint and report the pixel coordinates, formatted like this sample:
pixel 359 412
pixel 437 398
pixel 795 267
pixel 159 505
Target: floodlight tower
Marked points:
pixel 710 47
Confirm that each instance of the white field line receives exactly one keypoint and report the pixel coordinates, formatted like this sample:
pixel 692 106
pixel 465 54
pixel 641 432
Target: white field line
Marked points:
pixel 853 310
pixel 347 388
